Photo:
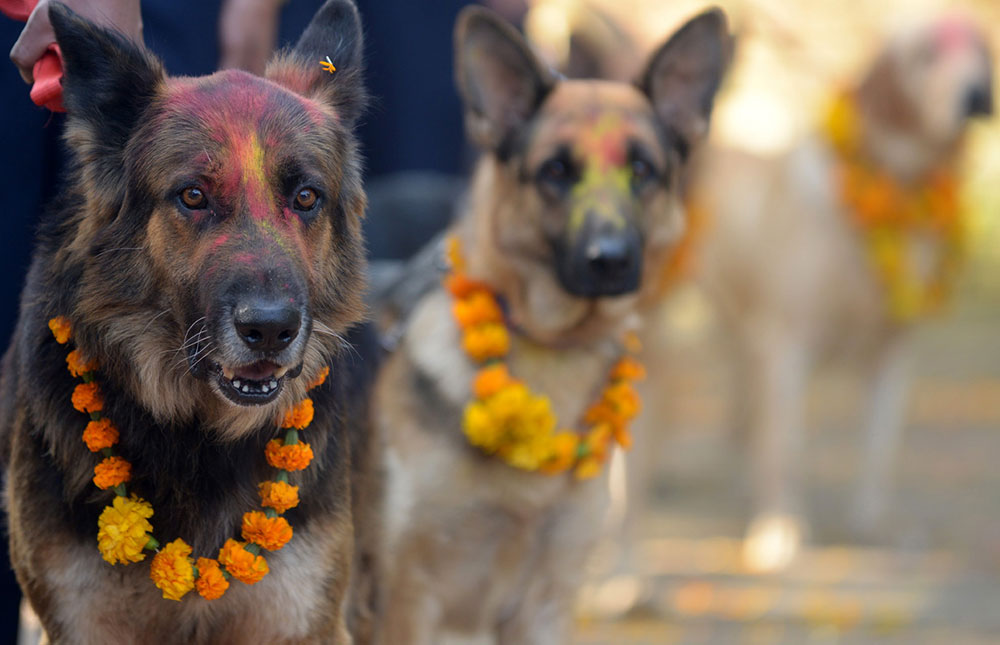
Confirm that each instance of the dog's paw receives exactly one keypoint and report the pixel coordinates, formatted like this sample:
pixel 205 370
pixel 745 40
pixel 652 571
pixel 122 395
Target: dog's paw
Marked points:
pixel 772 542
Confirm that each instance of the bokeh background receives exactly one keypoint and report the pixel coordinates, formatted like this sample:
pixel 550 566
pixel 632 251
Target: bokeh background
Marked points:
pixel 931 573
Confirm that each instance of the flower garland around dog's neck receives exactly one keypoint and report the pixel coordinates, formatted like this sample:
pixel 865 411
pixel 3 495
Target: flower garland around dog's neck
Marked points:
pixel 510 421
pixel 124 531
pixel 889 215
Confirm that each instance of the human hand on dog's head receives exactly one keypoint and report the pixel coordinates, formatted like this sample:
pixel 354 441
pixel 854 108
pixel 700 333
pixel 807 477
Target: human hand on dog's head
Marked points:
pixel 37 35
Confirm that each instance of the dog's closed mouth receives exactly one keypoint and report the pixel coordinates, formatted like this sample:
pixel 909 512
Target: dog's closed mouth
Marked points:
pixel 254 384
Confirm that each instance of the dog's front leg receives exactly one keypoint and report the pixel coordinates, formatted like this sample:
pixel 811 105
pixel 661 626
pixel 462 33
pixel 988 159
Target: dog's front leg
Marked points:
pixel 778 371
pixel 884 427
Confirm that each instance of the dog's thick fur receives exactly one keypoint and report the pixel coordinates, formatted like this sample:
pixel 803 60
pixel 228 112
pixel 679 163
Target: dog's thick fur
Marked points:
pixel 149 286
pixel 791 280
pixel 471 544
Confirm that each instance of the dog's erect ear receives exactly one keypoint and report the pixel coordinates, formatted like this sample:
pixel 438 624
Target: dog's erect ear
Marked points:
pixel 334 33
pixel 683 75
pixel 501 81
pixel 108 82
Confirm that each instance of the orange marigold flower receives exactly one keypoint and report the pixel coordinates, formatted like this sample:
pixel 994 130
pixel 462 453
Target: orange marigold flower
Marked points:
pixel 294 456
pixel 622 436
pixel 78 365
pixel 87 397
pixel 564 446
pixel 602 413
pixel 300 416
pixel 241 564
pixel 632 343
pixel 477 308
pixel 623 399
pixel 483 342
pixel 61 329
pixel 628 369
pixel 490 380
pixel 211 583
pixel 172 571
pixel 100 434
pixel 461 286
pixel 278 495
pixel 453 253
pixel 123 529
pixel 111 472
pixel 271 533
pixel 320 378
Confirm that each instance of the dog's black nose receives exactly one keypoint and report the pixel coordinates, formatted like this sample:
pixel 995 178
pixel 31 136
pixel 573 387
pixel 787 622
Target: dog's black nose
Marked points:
pixel 609 257
pixel 979 101
pixel 266 327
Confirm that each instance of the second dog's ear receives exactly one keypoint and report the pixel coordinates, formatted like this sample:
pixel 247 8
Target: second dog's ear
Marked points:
pixel 335 34
pixel 683 75
pixel 501 81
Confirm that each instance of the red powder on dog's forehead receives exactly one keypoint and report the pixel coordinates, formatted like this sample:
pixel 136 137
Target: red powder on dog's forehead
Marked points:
pixel 604 140
pixel 954 32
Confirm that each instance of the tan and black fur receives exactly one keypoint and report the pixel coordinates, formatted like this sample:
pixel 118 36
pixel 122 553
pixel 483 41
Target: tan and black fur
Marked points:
pixel 197 269
pixel 572 210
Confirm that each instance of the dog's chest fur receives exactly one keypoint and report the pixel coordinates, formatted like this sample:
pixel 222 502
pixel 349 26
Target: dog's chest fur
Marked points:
pixel 475 526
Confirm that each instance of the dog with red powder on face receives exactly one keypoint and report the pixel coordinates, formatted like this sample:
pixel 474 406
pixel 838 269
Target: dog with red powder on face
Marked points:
pixel 205 265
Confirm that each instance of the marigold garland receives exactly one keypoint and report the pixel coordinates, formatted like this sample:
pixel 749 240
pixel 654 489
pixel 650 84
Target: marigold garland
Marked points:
pixel 888 214
pixel 124 532
pixel 508 420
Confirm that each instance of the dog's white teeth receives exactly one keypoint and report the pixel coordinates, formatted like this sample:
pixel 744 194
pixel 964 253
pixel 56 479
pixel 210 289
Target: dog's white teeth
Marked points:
pixel 273 384
pixel 278 373
pixel 246 388
pixel 236 384
pixel 228 373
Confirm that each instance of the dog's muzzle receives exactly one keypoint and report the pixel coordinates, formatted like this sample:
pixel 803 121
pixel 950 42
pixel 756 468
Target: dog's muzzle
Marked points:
pixel 602 261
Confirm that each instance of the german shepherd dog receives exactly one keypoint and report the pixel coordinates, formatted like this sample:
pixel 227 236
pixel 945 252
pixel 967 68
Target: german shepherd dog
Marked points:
pixel 208 253
pixel 472 545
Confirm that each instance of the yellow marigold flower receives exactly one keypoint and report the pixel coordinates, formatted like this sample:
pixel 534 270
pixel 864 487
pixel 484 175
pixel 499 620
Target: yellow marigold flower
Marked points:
pixel 480 428
pixel 241 564
pixel 528 452
pixel 602 413
pixel 300 416
pixel 271 533
pixel 111 472
pixel 172 571
pixel 123 529
pixel 78 365
pixel 87 398
pixel 628 369
pixel 100 434
pixel 477 308
pixel 61 329
pixel 563 453
pixel 211 583
pixel 490 380
pixel 483 342
pixel 278 495
pixel 587 468
pixel 291 457
pixel 320 378
pixel 453 253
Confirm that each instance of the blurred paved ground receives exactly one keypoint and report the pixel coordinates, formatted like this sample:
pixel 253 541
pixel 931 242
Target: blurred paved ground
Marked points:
pixel 931 575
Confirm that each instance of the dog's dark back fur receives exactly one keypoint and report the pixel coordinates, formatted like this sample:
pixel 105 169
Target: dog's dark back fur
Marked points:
pixel 114 256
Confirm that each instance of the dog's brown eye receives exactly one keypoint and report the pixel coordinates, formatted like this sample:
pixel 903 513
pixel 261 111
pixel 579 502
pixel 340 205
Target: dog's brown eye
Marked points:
pixel 305 199
pixel 193 197
pixel 554 170
pixel 641 170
